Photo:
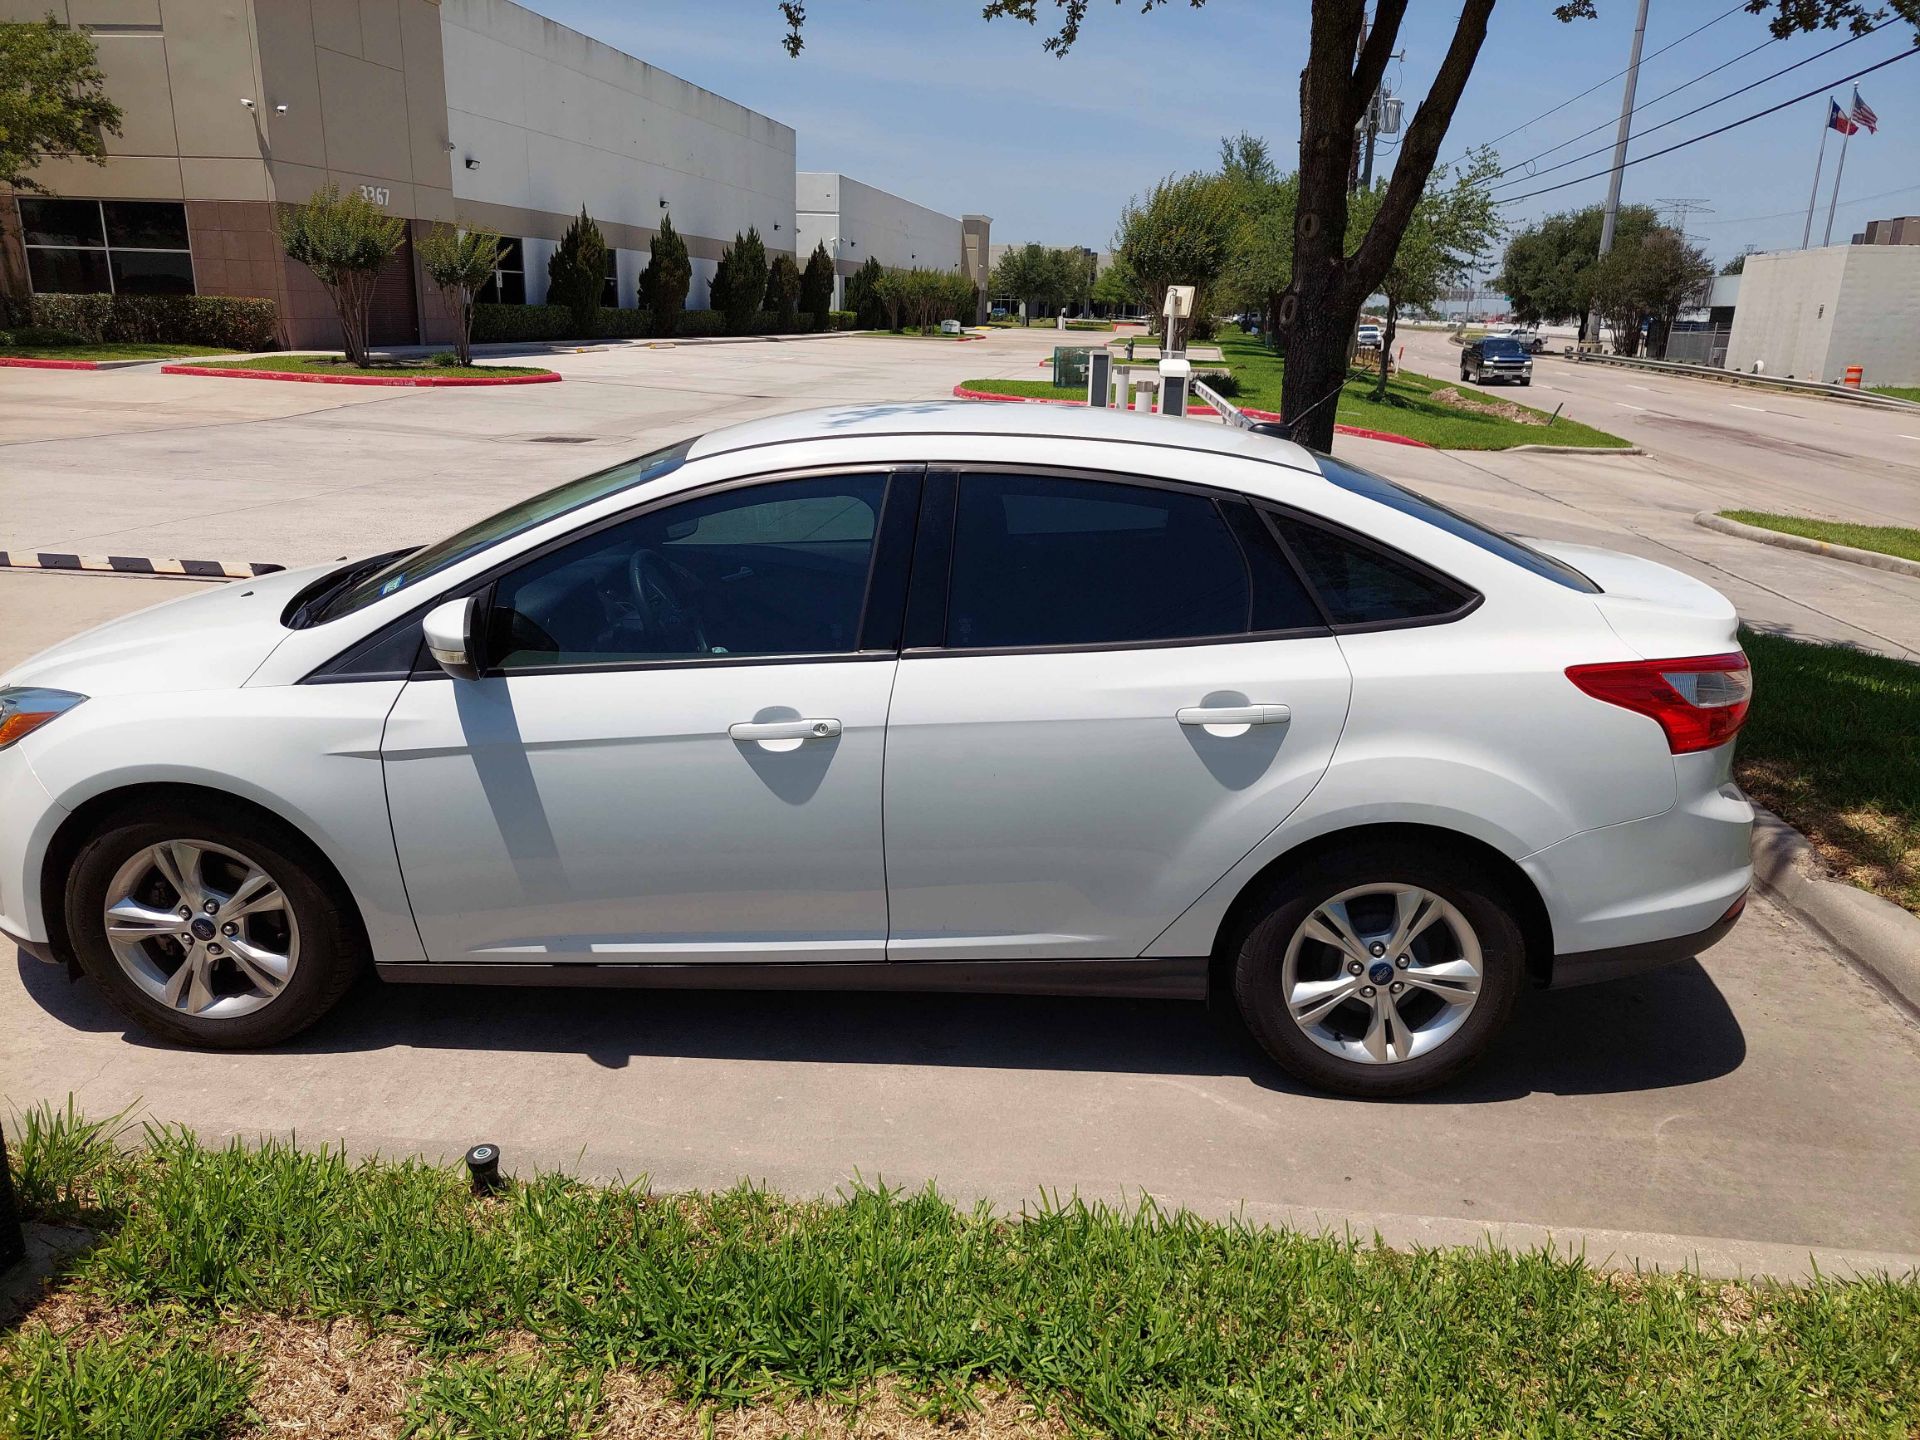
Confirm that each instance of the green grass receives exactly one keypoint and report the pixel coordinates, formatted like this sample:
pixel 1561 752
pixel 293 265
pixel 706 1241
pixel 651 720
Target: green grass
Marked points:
pixel 156 1382
pixel 1033 389
pixel 1128 1323
pixel 1829 747
pixel 1898 392
pixel 103 352
pixel 433 366
pixel 1884 539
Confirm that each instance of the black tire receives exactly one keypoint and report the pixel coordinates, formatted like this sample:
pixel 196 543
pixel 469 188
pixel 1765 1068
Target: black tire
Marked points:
pixel 332 953
pixel 1465 378
pixel 1525 383
pixel 1259 950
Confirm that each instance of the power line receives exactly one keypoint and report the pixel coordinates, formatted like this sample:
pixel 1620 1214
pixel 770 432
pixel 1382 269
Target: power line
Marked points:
pixel 1608 81
pixel 1730 125
pixel 1801 209
pixel 1687 114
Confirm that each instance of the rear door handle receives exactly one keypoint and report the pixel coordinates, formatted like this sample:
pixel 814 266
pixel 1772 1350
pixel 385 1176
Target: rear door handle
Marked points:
pixel 815 729
pixel 1234 715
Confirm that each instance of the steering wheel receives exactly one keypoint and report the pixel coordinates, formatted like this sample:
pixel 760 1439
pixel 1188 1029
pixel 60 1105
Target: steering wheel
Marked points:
pixel 659 594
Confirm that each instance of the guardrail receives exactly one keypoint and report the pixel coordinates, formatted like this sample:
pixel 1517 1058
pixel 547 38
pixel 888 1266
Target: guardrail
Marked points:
pixel 1741 377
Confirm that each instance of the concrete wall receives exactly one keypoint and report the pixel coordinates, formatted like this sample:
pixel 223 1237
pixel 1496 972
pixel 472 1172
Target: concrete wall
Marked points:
pixel 856 220
pixel 1812 313
pixel 554 120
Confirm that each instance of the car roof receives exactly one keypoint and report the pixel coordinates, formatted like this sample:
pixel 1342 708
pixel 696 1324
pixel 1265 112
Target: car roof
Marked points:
pixel 915 419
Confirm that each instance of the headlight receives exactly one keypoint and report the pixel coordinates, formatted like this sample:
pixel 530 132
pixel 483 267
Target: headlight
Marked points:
pixel 25 708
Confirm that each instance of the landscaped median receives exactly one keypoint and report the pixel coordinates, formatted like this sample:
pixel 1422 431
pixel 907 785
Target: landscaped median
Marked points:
pixel 243 1292
pixel 90 357
pixel 436 370
pixel 1885 547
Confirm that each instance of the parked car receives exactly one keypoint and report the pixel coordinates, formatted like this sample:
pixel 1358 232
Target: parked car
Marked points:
pixel 1369 337
pixel 1150 708
pixel 1496 357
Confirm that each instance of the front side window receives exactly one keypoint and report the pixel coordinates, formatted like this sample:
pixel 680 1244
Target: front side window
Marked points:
pixel 763 571
pixel 122 247
pixel 1051 561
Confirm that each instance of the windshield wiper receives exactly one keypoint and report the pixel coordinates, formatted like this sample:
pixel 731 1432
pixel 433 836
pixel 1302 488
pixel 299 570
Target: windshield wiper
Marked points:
pixel 312 601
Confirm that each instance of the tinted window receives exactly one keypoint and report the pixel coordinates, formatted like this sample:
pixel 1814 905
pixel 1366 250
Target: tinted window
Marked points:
pixel 61 222
pixel 1360 585
pixel 146 224
pixel 1408 502
pixel 152 272
pixel 417 565
pixel 68 272
pixel 1501 345
pixel 776 569
pixel 1045 561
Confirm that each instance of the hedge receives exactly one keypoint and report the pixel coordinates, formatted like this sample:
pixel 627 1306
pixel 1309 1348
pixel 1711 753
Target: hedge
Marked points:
pixel 220 322
pixel 503 324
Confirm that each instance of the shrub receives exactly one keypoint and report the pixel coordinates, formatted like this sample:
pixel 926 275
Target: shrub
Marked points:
pixel 39 337
pixel 459 263
pixel 577 273
pixel 345 240
pixel 740 283
pixel 843 320
pixel 666 280
pixel 862 293
pixel 220 322
pixel 783 291
pixel 703 322
pixel 816 286
pixel 507 324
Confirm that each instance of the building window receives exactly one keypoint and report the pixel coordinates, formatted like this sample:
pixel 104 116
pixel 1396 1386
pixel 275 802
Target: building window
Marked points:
pixel 610 291
pixel 509 283
pixel 121 247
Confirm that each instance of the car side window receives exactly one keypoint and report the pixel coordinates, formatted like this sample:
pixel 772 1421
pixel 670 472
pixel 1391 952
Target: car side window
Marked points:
pixel 1052 561
pixel 765 570
pixel 1362 585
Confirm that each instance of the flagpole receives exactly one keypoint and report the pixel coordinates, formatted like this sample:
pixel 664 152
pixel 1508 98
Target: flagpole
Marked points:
pixel 1839 170
pixel 1826 124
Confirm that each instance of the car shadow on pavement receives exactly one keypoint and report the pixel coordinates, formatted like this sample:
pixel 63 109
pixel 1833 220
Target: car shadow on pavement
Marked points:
pixel 1671 1027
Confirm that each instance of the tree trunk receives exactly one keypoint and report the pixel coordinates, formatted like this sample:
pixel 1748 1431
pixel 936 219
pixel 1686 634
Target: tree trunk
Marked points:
pixel 463 328
pixel 1386 348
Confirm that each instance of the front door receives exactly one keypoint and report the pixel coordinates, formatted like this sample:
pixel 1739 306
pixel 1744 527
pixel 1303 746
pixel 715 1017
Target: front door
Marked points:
pixel 1128 690
pixel 674 754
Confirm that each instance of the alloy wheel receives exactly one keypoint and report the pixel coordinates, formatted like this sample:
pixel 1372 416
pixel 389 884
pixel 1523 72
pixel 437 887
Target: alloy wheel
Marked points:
pixel 1382 973
pixel 201 929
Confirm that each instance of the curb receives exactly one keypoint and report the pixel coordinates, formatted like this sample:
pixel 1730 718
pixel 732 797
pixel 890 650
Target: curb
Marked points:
pixel 963 393
pixel 1569 450
pixel 21 362
pixel 1896 564
pixel 136 565
pixel 420 382
pixel 1876 936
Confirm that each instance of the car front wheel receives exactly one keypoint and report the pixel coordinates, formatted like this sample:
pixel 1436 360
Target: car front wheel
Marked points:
pixel 210 929
pixel 1379 971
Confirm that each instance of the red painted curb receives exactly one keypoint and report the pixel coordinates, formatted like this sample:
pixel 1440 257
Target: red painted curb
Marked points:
pixel 415 381
pixel 961 392
pixel 22 363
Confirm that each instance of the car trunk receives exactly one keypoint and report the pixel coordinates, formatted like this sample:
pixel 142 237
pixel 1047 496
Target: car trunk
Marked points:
pixel 1656 610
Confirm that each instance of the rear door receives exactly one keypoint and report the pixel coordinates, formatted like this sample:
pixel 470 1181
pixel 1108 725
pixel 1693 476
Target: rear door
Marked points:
pixel 1112 689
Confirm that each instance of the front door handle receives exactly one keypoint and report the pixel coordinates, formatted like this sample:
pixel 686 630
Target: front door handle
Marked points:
pixel 814 729
pixel 1234 715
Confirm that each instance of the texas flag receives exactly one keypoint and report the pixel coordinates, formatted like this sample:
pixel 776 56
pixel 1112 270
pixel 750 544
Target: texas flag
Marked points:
pixel 1837 118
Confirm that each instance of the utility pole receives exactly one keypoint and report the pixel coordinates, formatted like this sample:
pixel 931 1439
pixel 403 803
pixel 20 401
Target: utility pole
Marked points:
pixel 1619 159
pixel 1353 165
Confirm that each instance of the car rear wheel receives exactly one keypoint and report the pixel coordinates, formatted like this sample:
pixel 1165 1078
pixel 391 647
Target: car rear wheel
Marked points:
pixel 209 929
pixel 1379 971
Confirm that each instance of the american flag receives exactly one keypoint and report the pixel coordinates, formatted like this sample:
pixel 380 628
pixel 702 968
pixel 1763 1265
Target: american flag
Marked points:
pixel 1863 114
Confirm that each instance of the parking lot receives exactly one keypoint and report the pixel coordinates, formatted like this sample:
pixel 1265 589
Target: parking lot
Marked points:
pixel 1749 1108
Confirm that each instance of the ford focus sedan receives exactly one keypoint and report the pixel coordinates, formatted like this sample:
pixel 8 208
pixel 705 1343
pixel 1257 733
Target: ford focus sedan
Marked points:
pixel 931 697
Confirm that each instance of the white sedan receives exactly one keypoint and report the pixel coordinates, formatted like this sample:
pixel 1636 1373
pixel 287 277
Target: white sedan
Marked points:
pixel 921 696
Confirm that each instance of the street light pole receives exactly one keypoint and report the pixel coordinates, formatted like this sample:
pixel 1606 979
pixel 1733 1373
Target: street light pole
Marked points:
pixel 1619 159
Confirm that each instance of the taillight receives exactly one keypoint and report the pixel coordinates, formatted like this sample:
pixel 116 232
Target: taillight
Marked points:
pixel 1700 701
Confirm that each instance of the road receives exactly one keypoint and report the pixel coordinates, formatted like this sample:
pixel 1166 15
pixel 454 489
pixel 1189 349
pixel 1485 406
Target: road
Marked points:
pixel 1747 1110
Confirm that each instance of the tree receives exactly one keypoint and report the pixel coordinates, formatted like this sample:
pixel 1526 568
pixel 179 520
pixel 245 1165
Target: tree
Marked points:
pixel 1181 234
pixel 1738 264
pixel 1551 268
pixel 345 240
pixel 741 282
pixel 577 274
pixel 460 263
pixel 1671 274
pixel 1329 281
pixel 1115 287
pixel 816 286
pixel 1445 241
pixel 1039 276
pixel 862 295
pixel 783 290
pixel 53 102
pixel 666 280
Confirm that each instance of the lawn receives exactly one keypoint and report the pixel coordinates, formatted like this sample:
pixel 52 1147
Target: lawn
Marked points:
pixel 432 366
pixel 1885 539
pixel 243 1292
pixel 1830 748
pixel 1898 392
pixel 103 352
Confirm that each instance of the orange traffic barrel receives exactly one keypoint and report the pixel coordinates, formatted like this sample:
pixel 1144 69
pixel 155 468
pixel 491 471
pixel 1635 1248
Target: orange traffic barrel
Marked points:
pixel 1855 374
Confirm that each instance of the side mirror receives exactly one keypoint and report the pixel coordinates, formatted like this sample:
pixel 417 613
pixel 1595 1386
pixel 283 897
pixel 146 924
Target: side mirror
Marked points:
pixel 449 632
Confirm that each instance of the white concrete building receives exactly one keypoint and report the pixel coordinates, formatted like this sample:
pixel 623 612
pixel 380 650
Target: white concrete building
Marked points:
pixel 1812 313
pixel 855 221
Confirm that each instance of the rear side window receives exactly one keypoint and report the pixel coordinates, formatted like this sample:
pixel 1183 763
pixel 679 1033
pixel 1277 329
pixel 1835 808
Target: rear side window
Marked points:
pixel 1361 585
pixel 1052 561
pixel 1408 502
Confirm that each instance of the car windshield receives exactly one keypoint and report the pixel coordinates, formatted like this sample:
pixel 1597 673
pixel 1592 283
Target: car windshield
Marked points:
pixel 361 589
pixel 1502 345
pixel 1408 502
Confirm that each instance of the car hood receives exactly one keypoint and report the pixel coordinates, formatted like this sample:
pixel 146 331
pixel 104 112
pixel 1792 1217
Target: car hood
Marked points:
pixel 212 638
pixel 1655 609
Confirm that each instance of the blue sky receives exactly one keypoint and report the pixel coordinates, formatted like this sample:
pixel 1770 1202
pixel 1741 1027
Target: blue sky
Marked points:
pixel 924 98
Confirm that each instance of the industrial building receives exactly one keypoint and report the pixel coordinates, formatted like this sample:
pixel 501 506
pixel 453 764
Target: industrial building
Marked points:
pixel 478 111
pixel 856 222
pixel 1810 314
